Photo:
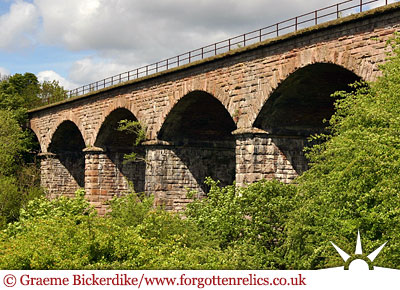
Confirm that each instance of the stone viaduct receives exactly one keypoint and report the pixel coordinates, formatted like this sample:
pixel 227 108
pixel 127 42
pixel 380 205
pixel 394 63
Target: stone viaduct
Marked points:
pixel 243 115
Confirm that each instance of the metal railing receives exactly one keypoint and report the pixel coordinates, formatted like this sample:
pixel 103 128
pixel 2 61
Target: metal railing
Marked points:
pixel 290 25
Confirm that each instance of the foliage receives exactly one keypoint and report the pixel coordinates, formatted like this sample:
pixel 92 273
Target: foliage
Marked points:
pixel 13 141
pixel 66 234
pixel 254 217
pixel 353 182
pixel 18 183
pixel 21 92
pixel 133 127
pixel 131 209
pixel 51 92
pixel 139 131
pixel 18 167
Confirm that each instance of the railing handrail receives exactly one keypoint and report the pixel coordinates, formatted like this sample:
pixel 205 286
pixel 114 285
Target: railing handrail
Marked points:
pixel 213 49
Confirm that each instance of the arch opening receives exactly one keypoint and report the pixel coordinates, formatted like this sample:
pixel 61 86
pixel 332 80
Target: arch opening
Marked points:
pixel 110 138
pixel 197 117
pixel 199 130
pixel 68 172
pixel 302 101
pixel 297 109
pixel 119 173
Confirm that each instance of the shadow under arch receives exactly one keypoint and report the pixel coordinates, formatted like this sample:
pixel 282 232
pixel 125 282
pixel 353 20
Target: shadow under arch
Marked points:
pixel 299 106
pixel 34 146
pixel 67 144
pixel 198 129
pixel 116 145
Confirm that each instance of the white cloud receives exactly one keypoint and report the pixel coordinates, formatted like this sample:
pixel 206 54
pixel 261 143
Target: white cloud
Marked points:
pixel 18 26
pixel 89 70
pixel 4 71
pixel 50 75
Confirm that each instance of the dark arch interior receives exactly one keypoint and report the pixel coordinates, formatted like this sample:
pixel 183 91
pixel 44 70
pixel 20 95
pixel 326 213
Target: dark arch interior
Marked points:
pixel 197 117
pixel 109 138
pixel 302 101
pixel 200 129
pixel 299 106
pixel 119 143
pixel 67 142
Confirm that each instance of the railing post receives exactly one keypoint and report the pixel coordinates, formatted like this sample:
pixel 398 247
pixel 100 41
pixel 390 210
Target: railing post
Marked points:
pixel 229 44
pixel 361 3
pixel 178 60
pixel 260 35
pixel 296 24
pixel 156 67
pixel 167 63
pixel 215 49
pixel 202 52
pixel 277 29
pixel 128 75
pixel 337 11
pixel 137 73
pixel 190 56
pixel 316 17
pixel 244 39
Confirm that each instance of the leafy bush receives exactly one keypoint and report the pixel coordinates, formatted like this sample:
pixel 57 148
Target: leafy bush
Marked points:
pixel 254 217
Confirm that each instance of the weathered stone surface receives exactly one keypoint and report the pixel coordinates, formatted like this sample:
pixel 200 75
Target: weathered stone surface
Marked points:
pixel 172 171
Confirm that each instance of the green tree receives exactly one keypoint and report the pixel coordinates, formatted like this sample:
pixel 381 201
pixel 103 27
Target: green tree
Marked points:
pixel 354 180
pixel 51 92
pixel 19 175
pixel 18 182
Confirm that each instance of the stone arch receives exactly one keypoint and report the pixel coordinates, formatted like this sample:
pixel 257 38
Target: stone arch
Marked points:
pixel 303 98
pixel 117 103
pixel 198 116
pixel 109 138
pixel 116 172
pixel 64 160
pixel 294 111
pixel 63 117
pixel 66 137
pixel 195 143
pixel 309 56
pixel 195 86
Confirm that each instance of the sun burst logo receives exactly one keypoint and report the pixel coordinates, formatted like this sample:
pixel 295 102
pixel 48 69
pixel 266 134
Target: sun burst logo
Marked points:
pixel 358 260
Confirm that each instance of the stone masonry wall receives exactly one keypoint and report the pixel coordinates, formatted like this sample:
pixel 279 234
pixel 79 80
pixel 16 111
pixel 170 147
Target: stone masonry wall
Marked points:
pixel 261 156
pixel 61 177
pixel 107 175
pixel 172 171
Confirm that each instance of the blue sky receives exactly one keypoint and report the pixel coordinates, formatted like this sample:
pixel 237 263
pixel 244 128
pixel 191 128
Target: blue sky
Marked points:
pixel 81 41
